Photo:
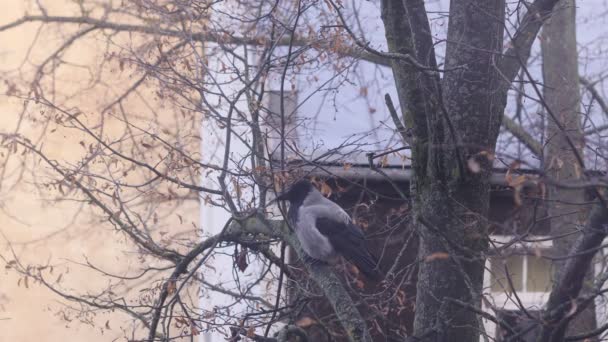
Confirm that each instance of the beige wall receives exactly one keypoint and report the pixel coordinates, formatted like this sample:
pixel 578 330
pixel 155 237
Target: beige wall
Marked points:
pixel 61 234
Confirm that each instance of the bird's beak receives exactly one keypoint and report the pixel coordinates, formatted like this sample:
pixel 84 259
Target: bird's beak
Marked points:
pixel 280 197
pixel 283 196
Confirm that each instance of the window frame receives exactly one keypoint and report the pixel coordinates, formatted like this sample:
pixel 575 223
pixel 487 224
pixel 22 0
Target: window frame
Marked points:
pixel 506 301
pixel 544 244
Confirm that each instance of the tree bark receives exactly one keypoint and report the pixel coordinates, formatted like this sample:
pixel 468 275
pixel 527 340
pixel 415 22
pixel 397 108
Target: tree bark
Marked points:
pixel 451 122
pixel 562 96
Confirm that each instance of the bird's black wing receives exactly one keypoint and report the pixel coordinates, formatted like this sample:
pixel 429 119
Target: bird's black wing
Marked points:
pixel 348 240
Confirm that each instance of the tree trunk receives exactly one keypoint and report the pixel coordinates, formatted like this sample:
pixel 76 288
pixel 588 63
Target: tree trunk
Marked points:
pixel 452 122
pixel 561 93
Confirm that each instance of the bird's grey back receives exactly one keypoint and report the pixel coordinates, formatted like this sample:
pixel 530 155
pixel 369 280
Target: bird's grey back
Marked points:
pixel 315 205
pixel 319 206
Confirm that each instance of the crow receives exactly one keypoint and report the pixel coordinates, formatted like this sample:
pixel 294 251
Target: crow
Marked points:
pixel 325 230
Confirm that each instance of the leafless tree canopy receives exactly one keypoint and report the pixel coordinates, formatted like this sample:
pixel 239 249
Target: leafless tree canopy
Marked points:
pixel 173 104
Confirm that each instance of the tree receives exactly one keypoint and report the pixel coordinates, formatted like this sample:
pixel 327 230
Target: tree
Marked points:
pixel 215 61
pixel 561 92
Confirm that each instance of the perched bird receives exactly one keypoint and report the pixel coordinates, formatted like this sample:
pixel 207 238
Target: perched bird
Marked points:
pixel 325 230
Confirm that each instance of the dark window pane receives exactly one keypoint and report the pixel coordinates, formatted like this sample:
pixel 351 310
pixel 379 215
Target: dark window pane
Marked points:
pixel 539 274
pixel 514 265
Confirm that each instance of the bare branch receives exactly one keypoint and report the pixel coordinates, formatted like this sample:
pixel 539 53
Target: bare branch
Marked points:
pixel 556 315
pixel 595 94
pixel 521 43
pixel 520 133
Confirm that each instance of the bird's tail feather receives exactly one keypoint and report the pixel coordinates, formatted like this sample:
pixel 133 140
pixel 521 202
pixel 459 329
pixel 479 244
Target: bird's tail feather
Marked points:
pixel 367 264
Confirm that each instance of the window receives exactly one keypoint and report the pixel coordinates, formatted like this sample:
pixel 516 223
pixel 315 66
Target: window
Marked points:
pixel 528 272
pixel 531 277
pixel 273 120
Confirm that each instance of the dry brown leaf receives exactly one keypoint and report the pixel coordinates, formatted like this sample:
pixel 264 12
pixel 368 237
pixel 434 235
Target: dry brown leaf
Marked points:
pixel 437 256
pixel 489 155
pixel 518 181
pixel 305 322
pixel 514 166
pixel 555 163
pixel 384 161
pixel 241 259
pixel 194 330
pixel 517 196
pixel 363 91
pixel 251 332
pixel 340 189
pixel 237 187
pixel 171 287
pixel 325 189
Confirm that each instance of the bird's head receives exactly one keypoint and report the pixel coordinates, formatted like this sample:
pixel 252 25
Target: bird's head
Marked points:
pixel 297 191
